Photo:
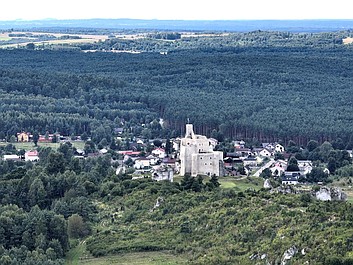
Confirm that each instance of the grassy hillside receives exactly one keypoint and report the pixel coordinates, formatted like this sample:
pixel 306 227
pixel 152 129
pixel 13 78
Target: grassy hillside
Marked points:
pixel 225 226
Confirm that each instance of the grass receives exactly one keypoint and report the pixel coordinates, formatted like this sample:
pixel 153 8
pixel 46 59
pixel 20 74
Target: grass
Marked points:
pixel 241 184
pixel 74 255
pixel 137 258
pixel 80 256
pixel 30 145
pixel 4 38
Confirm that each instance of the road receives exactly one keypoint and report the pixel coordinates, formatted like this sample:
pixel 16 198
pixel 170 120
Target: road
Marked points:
pixel 267 165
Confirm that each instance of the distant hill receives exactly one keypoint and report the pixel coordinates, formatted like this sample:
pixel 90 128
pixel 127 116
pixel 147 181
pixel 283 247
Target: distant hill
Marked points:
pixel 188 25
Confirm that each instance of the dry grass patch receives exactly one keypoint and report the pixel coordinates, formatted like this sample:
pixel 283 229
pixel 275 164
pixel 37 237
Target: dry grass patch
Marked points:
pixel 347 40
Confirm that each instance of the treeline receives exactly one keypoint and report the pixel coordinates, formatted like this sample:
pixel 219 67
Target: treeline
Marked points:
pixel 155 41
pixel 270 94
pixel 43 205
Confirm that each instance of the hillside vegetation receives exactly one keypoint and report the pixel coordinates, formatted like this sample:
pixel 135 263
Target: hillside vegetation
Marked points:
pixel 225 226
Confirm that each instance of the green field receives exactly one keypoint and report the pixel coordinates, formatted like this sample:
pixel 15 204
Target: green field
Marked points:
pixel 241 184
pixel 55 146
pixel 79 256
pixel 4 38
pixel 138 258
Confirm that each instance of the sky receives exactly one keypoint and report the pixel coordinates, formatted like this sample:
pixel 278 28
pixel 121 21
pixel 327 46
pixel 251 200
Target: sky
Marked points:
pixel 177 9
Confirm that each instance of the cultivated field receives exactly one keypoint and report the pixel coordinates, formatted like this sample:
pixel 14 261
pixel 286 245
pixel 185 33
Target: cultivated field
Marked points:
pixel 32 37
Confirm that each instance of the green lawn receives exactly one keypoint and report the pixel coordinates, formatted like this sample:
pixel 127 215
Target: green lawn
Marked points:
pixel 79 256
pixel 30 145
pixel 241 184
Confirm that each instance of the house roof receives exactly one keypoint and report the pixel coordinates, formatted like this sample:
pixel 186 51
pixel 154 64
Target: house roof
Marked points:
pixel 129 152
pixel 266 149
pixel 27 133
pixel 11 156
pixel 159 149
pixel 292 174
pixel 258 149
pixel 233 154
pixel 168 160
pixel 118 130
pixel 143 159
pixel 32 153
pixel 289 178
pixel 243 150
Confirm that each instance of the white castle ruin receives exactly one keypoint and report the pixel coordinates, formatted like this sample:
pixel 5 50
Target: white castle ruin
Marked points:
pixel 197 156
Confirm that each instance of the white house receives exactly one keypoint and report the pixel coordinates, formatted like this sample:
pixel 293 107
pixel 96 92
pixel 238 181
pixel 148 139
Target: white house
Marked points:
pixel 277 169
pixel 142 162
pixel 32 156
pixel 265 153
pixel 103 151
pixel 11 157
pixel 250 161
pixel 279 148
pixel 305 166
pixel 268 146
pixel 160 152
pixel 153 159
pixel 290 178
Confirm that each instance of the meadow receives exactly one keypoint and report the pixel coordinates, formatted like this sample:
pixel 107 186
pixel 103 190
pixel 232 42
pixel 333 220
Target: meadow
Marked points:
pixel 30 145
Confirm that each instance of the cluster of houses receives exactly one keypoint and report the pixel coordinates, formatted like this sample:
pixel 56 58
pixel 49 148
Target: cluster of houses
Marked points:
pixel 157 163
pixel 194 154
pixel 256 160
pixel 31 155
pixel 28 137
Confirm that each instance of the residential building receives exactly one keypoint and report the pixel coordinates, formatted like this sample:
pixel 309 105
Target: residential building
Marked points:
pixel 23 137
pixel 159 152
pixel 279 148
pixel 142 162
pixel 32 156
pixel 291 178
pixel 11 157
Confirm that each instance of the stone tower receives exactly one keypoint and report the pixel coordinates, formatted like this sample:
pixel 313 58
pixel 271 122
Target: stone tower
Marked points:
pixel 197 155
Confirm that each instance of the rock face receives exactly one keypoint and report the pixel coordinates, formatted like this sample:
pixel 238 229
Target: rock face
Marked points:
pixel 288 254
pixel 158 203
pixel 267 184
pixel 329 194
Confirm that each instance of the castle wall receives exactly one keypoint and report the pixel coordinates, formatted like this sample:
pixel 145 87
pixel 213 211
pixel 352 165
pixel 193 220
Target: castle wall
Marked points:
pixel 197 155
pixel 206 163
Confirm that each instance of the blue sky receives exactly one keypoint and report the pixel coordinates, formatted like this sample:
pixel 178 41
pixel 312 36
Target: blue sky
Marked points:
pixel 177 9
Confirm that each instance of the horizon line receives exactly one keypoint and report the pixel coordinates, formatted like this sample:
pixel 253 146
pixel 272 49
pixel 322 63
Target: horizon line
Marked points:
pixel 157 19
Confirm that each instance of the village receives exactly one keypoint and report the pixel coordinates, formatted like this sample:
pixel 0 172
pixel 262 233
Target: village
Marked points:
pixel 192 154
